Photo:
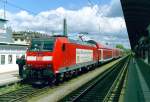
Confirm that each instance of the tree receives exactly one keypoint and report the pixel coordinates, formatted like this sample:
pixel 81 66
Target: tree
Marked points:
pixel 125 50
pixel 120 46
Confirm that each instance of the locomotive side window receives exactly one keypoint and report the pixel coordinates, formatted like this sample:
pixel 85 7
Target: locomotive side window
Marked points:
pixel 63 47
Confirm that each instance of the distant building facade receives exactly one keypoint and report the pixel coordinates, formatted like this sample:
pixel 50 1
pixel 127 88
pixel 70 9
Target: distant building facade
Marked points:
pixel 24 37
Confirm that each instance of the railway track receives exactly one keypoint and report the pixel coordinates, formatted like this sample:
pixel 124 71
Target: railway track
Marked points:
pixel 105 87
pixel 114 92
pixel 20 95
pixel 23 94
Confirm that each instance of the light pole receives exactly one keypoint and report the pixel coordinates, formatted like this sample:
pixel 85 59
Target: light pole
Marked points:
pixel 5 9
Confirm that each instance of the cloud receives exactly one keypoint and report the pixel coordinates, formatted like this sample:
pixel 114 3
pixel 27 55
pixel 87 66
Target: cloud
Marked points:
pixel 113 9
pixel 84 19
pixel 105 25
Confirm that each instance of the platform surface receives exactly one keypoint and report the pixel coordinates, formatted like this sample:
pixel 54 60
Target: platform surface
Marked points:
pixel 138 82
pixel 9 78
pixel 8 68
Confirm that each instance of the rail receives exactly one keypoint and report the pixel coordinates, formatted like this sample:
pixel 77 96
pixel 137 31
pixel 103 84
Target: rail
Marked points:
pixel 115 90
pixel 97 89
pixel 21 94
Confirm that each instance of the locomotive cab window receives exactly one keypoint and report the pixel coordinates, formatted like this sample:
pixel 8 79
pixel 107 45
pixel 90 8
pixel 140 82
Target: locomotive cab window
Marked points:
pixel 42 44
pixel 48 45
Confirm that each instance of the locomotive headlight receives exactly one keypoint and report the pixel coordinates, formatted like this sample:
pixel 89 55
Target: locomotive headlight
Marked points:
pixel 31 58
pixel 47 58
pixel 29 65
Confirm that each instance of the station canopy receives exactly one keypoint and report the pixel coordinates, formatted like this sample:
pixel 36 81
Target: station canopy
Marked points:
pixel 137 18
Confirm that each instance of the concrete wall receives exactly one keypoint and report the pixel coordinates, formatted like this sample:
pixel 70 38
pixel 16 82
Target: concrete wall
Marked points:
pixel 11 53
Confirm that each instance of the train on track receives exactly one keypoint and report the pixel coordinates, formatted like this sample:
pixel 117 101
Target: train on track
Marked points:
pixel 57 58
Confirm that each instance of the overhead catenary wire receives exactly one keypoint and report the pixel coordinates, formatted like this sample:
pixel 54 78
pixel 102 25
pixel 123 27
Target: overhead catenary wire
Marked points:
pixel 92 4
pixel 16 6
pixel 5 9
pixel 6 2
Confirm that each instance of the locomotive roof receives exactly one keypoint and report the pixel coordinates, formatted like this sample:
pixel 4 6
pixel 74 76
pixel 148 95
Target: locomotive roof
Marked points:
pixel 71 40
pixel 81 42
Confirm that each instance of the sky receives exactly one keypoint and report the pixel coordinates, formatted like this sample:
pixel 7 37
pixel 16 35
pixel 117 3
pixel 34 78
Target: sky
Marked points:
pixel 102 19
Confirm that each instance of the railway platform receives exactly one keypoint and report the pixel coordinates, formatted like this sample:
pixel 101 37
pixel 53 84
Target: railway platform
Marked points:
pixel 138 82
pixel 9 78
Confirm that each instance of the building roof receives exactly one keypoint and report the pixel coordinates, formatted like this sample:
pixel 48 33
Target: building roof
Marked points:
pixel 1 19
pixel 14 44
pixel 137 18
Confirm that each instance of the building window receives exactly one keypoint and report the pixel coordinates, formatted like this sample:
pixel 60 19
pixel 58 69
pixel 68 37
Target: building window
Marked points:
pixel 22 40
pixel 15 39
pixel 2 59
pixel 9 59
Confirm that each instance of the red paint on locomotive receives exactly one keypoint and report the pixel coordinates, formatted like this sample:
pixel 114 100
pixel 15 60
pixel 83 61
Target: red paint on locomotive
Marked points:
pixel 63 55
pixel 57 55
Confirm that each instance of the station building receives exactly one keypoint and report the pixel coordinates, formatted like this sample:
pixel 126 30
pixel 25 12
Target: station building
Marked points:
pixel 9 51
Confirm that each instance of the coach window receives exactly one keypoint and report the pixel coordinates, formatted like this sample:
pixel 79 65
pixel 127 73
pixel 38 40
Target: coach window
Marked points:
pixel 9 59
pixel 2 59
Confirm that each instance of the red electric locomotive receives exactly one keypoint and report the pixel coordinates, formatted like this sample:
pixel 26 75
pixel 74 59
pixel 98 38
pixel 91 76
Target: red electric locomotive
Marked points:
pixel 55 58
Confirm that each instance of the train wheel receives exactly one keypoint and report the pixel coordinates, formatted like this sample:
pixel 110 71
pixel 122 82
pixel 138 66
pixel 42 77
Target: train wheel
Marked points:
pixel 66 76
pixel 76 73
pixel 60 78
pixel 52 81
pixel 71 73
